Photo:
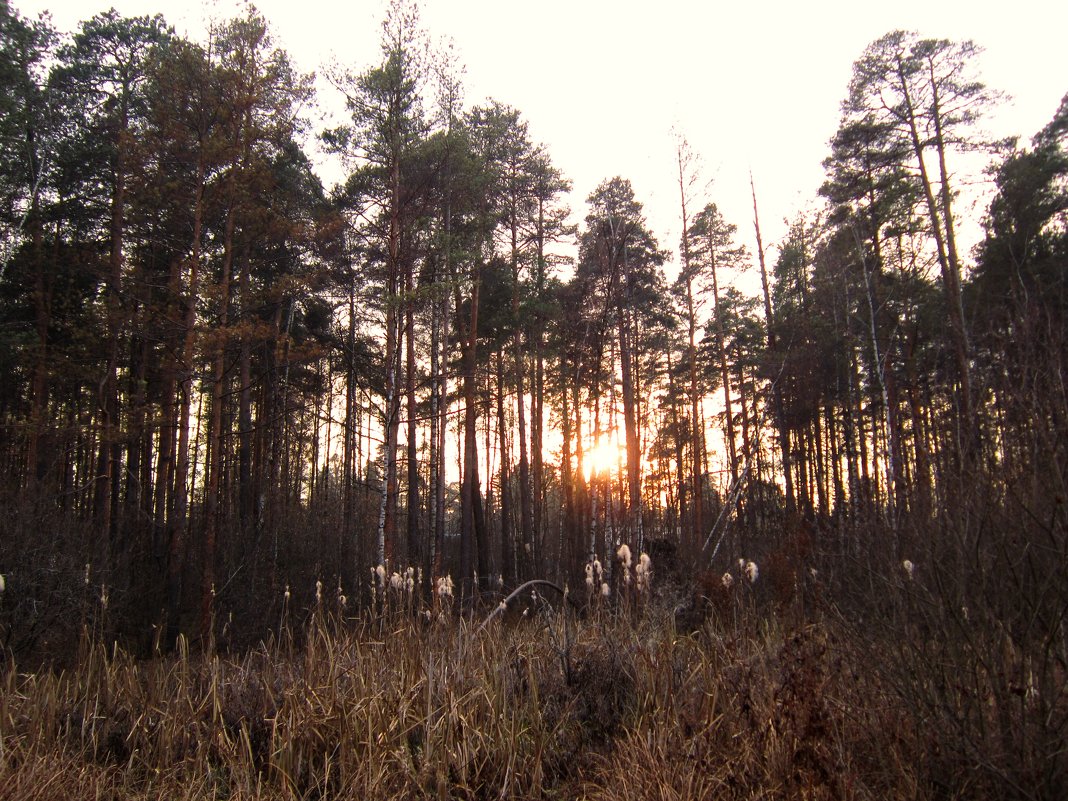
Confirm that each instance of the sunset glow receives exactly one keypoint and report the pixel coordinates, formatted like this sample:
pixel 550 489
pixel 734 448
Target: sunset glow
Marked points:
pixel 604 457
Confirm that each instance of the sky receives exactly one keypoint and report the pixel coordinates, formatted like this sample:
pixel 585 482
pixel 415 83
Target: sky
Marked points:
pixel 603 84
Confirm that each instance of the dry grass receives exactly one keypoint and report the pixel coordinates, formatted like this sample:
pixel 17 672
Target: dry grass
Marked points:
pixel 610 707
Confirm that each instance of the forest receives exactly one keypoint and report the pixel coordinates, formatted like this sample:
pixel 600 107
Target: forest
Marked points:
pixel 250 423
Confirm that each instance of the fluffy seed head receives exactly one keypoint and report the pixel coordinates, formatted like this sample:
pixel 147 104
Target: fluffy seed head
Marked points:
pixel 727 581
pixel 443 587
pixel 909 568
pixel 643 572
pixel 623 554
pixel 751 572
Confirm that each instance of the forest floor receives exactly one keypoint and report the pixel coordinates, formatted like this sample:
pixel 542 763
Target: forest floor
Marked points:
pixel 609 704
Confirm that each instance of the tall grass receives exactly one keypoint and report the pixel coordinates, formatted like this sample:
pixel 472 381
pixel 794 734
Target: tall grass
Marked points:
pixel 396 707
pixel 750 700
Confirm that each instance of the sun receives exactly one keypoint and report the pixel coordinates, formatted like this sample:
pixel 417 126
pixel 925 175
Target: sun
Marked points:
pixel 603 457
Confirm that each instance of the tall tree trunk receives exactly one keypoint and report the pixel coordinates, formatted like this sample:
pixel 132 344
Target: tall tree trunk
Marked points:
pixel 414 504
pixel 680 465
pixel 519 372
pixel 110 453
pixel 529 546
pixel 537 442
pixel 572 546
pixel 470 494
pixel 776 392
pixel 508 545
pixel 388 505
pixel 43 287
pixel 697 440
pixel 391 424
pixel 942 228
pixel 630 423
pixel 177 524
pixel 696 433
pixel 138 489
pixel 215 431
pixel 438 426
pixel 724 370
pixel 351 436
pixel 246 490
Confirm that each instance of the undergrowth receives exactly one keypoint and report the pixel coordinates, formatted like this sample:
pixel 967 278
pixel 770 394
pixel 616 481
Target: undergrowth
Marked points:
pixel 551 705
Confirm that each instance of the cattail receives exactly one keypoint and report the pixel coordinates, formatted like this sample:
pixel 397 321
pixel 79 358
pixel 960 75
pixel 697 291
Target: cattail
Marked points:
pixel 727 581
pixel 3 584
pixel 443 587
pixel 318 591
pixel 396 582
pixel 409 580
pixel 104 596
pixel 597 571
pixel 589 576
pixel 285 595
pixel 909 568
pixel 380 575
pixel 751 572
pixel 644 572
pixel 605 589
pixel 87 571
pixel 623 555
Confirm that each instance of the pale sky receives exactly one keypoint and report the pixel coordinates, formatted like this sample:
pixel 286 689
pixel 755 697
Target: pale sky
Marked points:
pixel 602 83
